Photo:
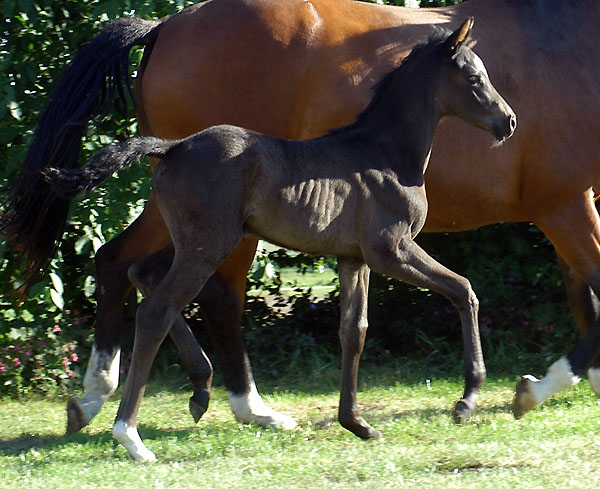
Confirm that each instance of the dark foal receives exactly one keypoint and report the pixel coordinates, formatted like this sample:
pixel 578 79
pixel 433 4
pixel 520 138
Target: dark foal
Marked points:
pixel 357 193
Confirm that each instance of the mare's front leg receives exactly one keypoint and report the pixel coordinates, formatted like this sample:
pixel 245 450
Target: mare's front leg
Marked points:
pixel 354 292
pixel 573 227
pixel 145 275
pixel 145 236
pixel 409 263
pixel 586 308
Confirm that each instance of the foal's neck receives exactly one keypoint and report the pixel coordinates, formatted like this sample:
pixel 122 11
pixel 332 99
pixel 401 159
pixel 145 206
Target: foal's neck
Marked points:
pixel 402 121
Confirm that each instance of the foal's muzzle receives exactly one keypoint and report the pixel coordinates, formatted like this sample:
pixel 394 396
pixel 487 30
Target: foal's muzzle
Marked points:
pixel 505 127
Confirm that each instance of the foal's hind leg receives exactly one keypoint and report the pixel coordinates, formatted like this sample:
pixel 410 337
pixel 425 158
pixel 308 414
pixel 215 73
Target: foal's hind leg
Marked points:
pixel 354 292
pixel 222 303
pixel 189 272
pixel 145 275
pixel 410 264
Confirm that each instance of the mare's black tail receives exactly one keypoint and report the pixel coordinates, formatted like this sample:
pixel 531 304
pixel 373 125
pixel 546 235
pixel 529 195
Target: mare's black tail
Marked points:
pixel 69 183
pixel 34 217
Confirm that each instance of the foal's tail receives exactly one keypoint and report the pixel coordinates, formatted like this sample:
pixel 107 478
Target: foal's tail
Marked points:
pixel 33 216
pixel 70 183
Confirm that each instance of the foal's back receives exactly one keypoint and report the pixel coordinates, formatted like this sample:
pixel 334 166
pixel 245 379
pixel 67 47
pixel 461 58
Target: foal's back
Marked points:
pixel 318 196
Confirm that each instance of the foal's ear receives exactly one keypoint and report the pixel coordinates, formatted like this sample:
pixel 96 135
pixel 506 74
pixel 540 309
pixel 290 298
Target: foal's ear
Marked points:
pixel 460 35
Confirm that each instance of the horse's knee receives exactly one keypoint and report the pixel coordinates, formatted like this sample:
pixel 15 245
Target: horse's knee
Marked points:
pixel 352 334
pixel 463 296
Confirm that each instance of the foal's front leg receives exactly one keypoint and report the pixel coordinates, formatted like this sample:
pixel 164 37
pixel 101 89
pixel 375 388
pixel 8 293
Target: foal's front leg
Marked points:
pixel 409 263
pixel 354 290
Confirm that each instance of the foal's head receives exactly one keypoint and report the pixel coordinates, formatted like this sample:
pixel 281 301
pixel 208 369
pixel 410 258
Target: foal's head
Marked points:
pixel 464 88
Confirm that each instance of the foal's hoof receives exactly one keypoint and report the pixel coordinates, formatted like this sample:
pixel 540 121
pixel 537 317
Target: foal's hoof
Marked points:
pixel 75 417
pixel 199 405
pixel 524 397
pixel 463 410
pixel 361 428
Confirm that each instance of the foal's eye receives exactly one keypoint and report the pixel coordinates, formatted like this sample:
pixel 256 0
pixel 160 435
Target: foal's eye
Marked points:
pixel 475 80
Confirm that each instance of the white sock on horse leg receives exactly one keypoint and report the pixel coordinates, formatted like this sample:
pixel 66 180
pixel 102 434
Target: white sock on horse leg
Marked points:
pixel 559 377
pixel 100 381
pixel 250 408
pixel 129 437
pixel 594 378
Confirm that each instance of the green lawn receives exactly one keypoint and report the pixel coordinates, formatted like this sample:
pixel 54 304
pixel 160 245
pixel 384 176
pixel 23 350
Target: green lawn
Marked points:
pixel 556 446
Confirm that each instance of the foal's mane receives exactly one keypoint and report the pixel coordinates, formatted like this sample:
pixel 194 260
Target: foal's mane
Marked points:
pixel 381 87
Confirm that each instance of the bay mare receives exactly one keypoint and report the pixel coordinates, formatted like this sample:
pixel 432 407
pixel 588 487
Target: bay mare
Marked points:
pixel 357 193
pixel 295 69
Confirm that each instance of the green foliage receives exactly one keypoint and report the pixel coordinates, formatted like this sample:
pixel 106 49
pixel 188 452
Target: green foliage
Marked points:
pixel 37 40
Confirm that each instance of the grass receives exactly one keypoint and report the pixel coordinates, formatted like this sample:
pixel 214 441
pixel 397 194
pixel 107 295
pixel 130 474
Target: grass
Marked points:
pixel 554 447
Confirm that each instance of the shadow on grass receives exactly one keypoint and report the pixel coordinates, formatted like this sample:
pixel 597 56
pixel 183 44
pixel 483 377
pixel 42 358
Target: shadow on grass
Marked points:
pixel 375 414
pixel 27 442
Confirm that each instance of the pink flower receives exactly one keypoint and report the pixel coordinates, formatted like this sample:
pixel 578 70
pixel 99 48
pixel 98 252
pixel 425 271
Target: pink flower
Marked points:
pixel 2 368
pixel 74 357
pixel 56 329
pixel 65 362
pixel 17 362
pixel 72 346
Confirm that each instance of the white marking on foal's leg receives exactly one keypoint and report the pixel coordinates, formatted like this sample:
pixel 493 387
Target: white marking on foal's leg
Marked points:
pixel 558 377
pixel 129 437
pixel 100 381
pixel 594 378
pixel 250 408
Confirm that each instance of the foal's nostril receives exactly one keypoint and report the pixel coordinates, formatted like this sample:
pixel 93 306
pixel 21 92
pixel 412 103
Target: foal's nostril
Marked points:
pixel 513 123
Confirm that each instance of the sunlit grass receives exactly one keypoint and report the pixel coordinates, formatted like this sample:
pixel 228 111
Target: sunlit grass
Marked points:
pixel 557 446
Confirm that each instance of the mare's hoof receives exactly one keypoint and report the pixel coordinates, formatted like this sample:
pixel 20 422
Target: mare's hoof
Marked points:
pixel 362 429
pixel 524 397
pixel 75 417
pixel 462 411
pixel 199 405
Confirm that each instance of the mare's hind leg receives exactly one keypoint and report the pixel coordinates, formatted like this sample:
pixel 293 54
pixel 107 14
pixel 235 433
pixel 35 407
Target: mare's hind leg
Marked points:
pixel 145 275
pixel 145 236
pixel 354 292
pixel 574 230
pixel 222 304
pixel 409 263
